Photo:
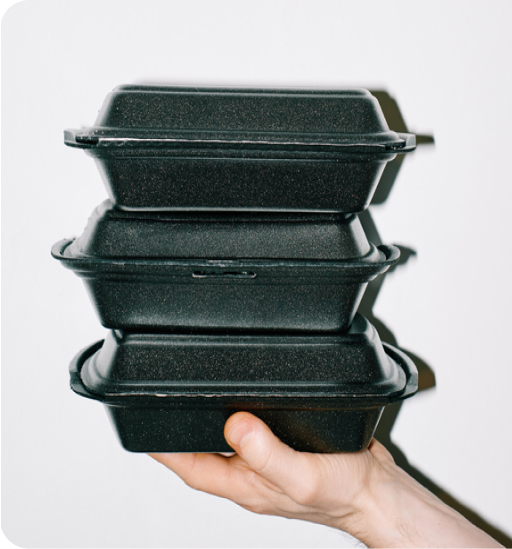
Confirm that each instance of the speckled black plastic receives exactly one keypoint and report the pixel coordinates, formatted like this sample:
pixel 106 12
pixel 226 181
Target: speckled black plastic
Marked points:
pixel 173 393
pixel 169 148
pixel 113 233
pixel 169 294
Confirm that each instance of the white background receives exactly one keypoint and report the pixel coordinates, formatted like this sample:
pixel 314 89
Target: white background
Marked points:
pixel 66 480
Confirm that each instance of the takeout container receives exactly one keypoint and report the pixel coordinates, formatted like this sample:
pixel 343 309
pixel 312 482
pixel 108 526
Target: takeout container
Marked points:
pixel 229 263
pixel 173 393
pixel 163 272
pixel 172 148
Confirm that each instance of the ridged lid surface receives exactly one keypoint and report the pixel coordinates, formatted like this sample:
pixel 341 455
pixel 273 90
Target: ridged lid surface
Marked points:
pixel 352 363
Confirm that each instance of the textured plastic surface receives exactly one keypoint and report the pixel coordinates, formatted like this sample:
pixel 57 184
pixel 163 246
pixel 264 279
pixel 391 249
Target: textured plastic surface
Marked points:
pixel 113 233
pixel 173 393
pixel 197 148
pixel 228 294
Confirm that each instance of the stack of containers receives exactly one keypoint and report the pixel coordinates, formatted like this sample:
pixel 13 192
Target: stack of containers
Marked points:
pixel 229 262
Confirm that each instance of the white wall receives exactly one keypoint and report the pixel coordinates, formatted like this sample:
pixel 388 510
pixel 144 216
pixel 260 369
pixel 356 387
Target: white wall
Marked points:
pixel 66 481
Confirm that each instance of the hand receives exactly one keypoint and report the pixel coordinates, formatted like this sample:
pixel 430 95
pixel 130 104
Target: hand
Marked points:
pixel 268 477
pixel 364 494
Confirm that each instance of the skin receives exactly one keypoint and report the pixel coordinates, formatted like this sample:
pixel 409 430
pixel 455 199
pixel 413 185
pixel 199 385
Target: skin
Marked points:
pixel 364 494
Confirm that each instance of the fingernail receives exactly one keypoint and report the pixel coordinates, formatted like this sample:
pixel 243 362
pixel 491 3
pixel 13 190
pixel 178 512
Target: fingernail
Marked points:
pixel 240 433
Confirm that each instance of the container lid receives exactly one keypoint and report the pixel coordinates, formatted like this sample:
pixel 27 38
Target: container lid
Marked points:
pixel 114 233
pixel 353 364
pixel 277 120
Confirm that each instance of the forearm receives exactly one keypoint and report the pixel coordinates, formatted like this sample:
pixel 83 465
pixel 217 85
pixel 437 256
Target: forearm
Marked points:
pixel 363 493
pixel 399 512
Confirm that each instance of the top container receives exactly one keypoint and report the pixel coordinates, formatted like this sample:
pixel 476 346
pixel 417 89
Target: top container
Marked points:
pixel 171 148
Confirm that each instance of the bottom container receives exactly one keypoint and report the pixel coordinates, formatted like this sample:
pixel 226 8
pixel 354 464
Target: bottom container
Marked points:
pixel 173 393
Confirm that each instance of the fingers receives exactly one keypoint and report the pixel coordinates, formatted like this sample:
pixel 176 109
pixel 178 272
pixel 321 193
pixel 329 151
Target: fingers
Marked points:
pixel 228 478
pixel 265 454
pixel 210 473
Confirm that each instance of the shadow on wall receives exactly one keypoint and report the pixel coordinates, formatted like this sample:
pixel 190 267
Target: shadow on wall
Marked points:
pixel 426 377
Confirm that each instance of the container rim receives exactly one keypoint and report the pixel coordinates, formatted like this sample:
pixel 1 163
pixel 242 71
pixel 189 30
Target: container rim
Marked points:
pixel 388 255
pixel 98 137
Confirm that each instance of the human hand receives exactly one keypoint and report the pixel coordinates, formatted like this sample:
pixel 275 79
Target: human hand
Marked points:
pixel 364 493
pixel 266 476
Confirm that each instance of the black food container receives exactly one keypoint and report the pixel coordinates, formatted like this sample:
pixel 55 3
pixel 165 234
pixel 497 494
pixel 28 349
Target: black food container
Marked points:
pixel 212 271
pixel 171 148
pixel 173 393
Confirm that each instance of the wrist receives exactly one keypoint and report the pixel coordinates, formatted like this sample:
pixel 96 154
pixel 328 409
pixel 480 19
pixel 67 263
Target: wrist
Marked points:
pixel 394 510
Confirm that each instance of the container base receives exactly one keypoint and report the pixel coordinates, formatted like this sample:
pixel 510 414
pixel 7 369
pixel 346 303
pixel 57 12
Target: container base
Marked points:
pixel 201 430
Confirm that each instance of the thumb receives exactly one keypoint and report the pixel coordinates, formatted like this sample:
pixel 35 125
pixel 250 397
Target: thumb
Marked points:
pixel 262 451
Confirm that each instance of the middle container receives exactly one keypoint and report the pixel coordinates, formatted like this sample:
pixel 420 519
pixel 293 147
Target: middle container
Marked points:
pixel 165 272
